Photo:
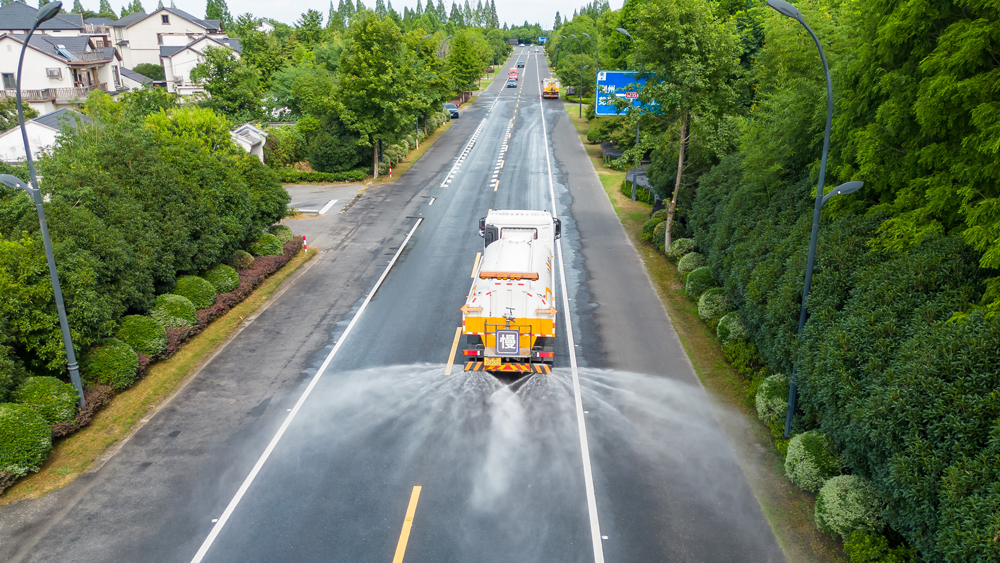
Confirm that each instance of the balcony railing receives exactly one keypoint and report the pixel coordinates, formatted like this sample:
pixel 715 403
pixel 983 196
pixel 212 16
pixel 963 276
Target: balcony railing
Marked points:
pixel 57 95
pixel 88 57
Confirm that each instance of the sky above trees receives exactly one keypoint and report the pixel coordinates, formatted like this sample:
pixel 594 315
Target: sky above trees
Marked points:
pixel 514 12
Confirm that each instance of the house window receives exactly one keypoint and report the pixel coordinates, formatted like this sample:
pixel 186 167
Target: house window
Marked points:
pixel 165 18
pixel 8 81
pixel 54 73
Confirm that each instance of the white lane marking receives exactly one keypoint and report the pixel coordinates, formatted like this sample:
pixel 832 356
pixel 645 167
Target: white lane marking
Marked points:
pixel 588 473
pixel 431 202
pixel 327 207
pixel 203 550
pixel 465 152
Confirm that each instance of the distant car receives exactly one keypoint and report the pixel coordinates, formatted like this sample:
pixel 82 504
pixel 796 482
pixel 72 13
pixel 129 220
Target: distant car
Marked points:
pixel 520 64
pixel 520 44
pixel 512 83
pixel 537 50
pixel 452 109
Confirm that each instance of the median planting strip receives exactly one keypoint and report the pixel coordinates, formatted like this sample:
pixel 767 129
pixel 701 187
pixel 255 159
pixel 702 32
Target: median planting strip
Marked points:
pixel 789 511
pixel 126 411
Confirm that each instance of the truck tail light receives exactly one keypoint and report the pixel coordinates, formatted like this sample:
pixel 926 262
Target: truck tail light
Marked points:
pixel 546 354
pixel 472 352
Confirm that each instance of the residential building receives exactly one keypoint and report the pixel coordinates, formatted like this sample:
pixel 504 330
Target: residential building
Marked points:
pixel 59 70
pixel 17 18
pixel 250 138
pixel 43 132
pixel 140 35
pixel 179 61
pixel 132 80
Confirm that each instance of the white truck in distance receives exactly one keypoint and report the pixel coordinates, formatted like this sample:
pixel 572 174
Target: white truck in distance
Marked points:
pixel 509 317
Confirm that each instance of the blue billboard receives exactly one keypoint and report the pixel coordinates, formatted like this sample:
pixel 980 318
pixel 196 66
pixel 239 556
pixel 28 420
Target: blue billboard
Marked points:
pixel 613 85
pixel 541 40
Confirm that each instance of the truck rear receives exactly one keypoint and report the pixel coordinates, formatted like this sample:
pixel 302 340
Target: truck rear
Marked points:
pixel 550 88
pixel 509 316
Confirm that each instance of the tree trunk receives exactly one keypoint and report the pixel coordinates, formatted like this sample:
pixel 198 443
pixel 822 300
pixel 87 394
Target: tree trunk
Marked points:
pixel 677 184
pixel 375 158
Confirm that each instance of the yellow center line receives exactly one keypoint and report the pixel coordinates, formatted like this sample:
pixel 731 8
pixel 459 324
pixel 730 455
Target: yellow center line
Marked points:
pixel 404 536
pixel 454 348
pixel 497 185
pixel 502 161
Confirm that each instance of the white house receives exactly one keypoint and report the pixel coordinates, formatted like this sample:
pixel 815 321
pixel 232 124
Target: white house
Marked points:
pixel 42 134
pixel 250 138
pixel 179 61
pixel 58 70
pixel 140 35
pixel 17 17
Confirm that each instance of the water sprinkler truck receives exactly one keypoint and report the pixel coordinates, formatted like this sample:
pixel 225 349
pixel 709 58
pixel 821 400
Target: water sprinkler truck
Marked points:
pixel 509 317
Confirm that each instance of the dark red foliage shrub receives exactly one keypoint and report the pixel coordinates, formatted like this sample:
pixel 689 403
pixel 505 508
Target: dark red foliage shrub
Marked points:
pixel 95 397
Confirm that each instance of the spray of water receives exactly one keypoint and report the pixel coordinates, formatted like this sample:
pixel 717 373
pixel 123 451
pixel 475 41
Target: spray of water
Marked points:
pixel 501 472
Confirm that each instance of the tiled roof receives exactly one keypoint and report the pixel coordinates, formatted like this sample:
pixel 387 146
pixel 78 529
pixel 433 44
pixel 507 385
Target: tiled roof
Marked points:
pixel 18 15
pixel 130 19
pixel 50 44
pixel 171 50
pixel 135 76
pixel 99 21
pixel 62 118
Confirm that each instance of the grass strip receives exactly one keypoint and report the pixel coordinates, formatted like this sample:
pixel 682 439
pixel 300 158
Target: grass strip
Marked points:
pixel 788 510
pixel 74 454
pixel 411 159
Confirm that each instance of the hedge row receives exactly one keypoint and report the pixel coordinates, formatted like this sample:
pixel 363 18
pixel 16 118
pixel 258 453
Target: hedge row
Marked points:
pixel 289 175
pixel 46 407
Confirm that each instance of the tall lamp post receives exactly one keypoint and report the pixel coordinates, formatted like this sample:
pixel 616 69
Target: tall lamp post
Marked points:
pixel 635 44
pixel 45 13
pixel 579 96
pixel 786 9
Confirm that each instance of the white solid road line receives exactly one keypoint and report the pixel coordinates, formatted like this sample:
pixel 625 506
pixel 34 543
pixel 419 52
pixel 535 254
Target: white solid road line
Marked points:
pixel 588 474
pixel 217 528
pixel 327 207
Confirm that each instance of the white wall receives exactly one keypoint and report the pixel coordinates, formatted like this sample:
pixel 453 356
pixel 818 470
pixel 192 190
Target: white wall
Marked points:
pixel 144 46
pixel 12 146
pixel 183 62
pixel 34 76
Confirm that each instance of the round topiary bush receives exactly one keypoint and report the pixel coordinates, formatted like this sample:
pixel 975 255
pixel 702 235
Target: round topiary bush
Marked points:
pixel 679 248
pixel 55 400
pixel 690 262
pixel 847 503
pixel 810 461
pixel 198 290
pixel 145 335
pixel 661 214
pixel 698 281
pixel 241 260
pixel 731 328
pixel 712 304
pixel 174 311
pixel 283 232
pixel 25 439
pixel 772 400
pixel 646 234
pixel 660 236
pixel 111 362
pixel 223 278
pixel 266 245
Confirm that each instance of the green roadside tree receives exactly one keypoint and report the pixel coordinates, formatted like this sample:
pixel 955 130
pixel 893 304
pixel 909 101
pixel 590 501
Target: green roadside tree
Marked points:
pixel 8 114
pixel 691 58
pixel 260 50
pixel 465 60
pixel 151 71
pixel 233 84
pixel 375 97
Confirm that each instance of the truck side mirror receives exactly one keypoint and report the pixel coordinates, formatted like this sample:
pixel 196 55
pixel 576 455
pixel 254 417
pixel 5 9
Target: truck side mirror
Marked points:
pixel 558 224
pixel 482 225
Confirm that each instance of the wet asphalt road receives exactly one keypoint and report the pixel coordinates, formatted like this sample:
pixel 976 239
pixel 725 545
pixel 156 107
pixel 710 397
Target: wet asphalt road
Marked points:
pixel 500 472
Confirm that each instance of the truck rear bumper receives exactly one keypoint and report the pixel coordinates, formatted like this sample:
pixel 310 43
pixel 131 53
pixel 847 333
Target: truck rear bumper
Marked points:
pixel 511 367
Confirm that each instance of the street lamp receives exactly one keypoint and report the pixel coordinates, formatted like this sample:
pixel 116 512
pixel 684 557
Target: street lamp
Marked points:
pixel 638 125
pixel 791 11
pixel 45 13
pixel 16 183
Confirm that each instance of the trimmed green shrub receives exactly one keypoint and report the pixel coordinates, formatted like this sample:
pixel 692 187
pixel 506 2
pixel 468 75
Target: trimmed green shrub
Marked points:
pixel 865 546
pixel 198 290
pixel 690 262
pixel 772 401
pixel 646 234
pixel 174 311
pixel 698 281
pixel 847 503
pixel 730 328
pixel 145 335
pixel 660 236
pixel 266 245
pixel 112 362
pixel 641 193
pixel 680 248
pixel 223 278
pixel 289 175
pixel 811 461
pixel 241 260
pixel 54 399
pixel 25 439
pixel 283 232
pixel 661 214
pixel 712 304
